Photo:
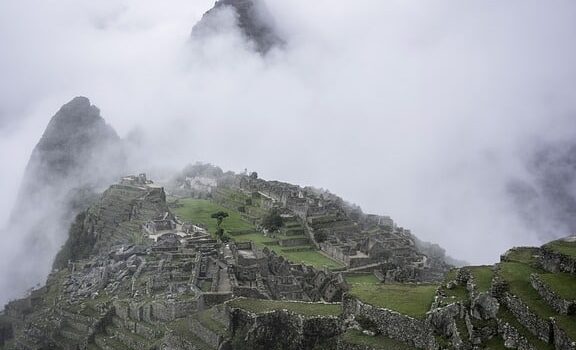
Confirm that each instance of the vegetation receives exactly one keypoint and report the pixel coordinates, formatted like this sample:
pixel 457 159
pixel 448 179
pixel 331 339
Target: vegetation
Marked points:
pixel 272 221
pixel 525 255
pixel 199 211
pixel 483 277
pixel 364 278
pixel 563 247
pixel 562 283
pixel 410 299
pixel 377 342
pixel 301 308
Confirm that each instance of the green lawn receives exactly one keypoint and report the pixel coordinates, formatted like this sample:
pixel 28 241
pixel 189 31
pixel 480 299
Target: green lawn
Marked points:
pixel 409 299
pixel 562 283
pixel 305 309
pixel 505 315
pixel 563 247
pixel 362 278
pixel 496 343
pixel 483 277
pixel 518 277
pixel 198 211
pixel 524 255
pixel 377 342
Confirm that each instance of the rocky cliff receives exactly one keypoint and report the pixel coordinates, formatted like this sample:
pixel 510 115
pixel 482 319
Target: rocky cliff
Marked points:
pixel 78 155
pixel 252 19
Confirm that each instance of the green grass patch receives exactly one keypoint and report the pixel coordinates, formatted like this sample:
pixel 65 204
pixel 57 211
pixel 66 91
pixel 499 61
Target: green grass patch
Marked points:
pixel 563 284
pixel 518 277
pixel 483 277
pixel 563 247
pixel 524 255
pixel 198 211
pixel 304 309
pixel 496 343
pixel 409 299
pixel 356 337
pixel 206 318
pixel 362 278
pixel 505 315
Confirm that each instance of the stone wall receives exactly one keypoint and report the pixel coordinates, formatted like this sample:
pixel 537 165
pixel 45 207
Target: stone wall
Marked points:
pixel 562 306
pixel 556 262
pixel 512 338
pixel 207 336
pixel 538 326
pixel 391 324
pixel 284 329
pixel 561 339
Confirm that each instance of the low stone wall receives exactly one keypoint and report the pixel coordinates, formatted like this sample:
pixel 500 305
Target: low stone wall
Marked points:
pixel 207 336
pixel 512 338
pixel 391 324
pixel 294 242
pixel 539 327
pixel 284 329
pixel 561 340
pixel 562 306
pixel 173 341
pixel 207 300
pixel 555 262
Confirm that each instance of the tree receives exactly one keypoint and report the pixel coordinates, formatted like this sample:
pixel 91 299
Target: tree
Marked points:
pixel 272 221
pixel 219 216
pixel 320 236
pixel 254 175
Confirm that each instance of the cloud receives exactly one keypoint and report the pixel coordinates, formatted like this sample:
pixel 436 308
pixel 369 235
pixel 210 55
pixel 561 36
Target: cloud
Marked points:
pixel 422 112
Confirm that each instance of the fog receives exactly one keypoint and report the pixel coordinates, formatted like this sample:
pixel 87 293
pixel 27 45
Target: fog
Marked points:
pixel 424 112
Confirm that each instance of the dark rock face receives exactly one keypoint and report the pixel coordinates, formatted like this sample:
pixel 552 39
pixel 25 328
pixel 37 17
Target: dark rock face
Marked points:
pixel 77 156
pixel 75 148
pixel 252 19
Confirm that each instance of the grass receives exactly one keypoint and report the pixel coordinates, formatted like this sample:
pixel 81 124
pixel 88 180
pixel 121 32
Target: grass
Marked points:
pixel 563 284
pixel 206 319
pixel 376 342
pixel 496 343
pixel 410 299
pixel 523 255
pixel 363 278
pixel 518 277
pixel 483 277
pixel 198 211
pixel 563 247
pixel 505 315
pixel 304 309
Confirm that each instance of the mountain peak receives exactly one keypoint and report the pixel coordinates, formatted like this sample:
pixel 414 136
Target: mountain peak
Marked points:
pixel 252 18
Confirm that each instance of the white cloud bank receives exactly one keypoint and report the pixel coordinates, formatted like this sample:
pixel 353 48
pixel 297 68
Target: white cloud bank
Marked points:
pixel 416 110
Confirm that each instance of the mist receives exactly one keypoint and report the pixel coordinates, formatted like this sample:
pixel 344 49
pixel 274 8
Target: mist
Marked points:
pixel 424 112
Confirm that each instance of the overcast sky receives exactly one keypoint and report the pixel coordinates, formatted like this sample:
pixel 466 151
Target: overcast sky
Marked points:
pixel 418 110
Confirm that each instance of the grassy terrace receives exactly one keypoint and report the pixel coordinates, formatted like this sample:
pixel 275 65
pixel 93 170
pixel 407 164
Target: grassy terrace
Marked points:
pixel 505 315
pixel 483 277
pixel 199 211
pixel 562 283
pixel 524 255
pixel 304 309
pixel 563 247
pixel 377 342
pixel 409 299
pixel 362 278
pixel 518 277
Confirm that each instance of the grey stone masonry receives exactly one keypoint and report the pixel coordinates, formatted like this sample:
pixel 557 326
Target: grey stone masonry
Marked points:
pixel 562 306
pixel 538 326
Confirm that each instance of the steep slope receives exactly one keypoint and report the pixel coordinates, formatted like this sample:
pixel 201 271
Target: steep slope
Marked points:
pixel 76 156
pixel 252 18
